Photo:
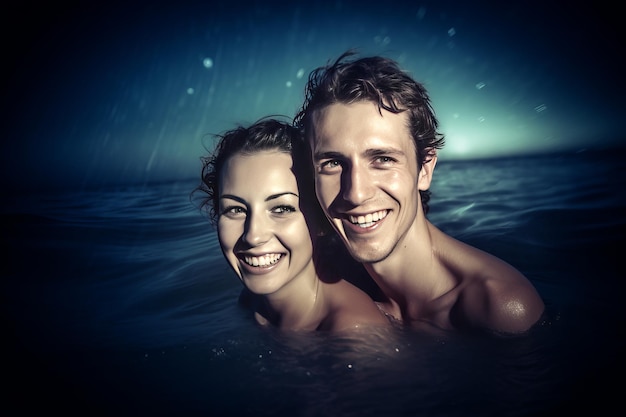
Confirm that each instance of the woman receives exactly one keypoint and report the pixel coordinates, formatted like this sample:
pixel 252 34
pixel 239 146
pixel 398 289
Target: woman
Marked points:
pixel 261 197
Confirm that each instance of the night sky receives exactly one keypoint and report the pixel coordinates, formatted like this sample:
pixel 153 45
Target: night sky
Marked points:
pixel 105 94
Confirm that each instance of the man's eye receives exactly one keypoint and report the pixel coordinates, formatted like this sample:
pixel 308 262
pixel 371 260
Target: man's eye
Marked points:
pixel 330 164
pixel 284 209
pixel 385 160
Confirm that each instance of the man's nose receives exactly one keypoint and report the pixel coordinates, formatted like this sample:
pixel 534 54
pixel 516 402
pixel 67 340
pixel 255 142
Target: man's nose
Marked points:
pixel 357 185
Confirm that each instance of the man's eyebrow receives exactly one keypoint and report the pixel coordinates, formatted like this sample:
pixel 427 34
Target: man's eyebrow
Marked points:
pixel 327 155
pixel 373 152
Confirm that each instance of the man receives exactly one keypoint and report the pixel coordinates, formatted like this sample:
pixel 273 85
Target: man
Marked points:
pixel 374 140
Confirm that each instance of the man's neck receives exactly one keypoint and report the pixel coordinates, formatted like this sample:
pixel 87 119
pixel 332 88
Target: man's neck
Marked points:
pixel 412 274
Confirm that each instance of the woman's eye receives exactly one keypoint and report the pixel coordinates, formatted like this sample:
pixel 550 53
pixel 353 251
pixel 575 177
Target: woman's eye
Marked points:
pixel 233 211
pixel 283 209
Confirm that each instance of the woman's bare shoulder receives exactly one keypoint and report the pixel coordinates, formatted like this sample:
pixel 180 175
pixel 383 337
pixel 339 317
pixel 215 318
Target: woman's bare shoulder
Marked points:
pixel 351 308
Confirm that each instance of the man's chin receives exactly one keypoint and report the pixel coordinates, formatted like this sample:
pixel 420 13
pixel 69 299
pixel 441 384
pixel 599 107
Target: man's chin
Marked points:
pixel 366 255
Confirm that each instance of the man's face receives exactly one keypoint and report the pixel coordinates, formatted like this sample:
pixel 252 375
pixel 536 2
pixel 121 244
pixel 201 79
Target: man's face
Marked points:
pixel 366 176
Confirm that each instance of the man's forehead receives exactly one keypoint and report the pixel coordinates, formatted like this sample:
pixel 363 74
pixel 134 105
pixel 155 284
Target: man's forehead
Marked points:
pixel 363 117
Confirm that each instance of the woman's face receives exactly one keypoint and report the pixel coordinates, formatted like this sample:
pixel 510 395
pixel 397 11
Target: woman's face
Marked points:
pixel 262 231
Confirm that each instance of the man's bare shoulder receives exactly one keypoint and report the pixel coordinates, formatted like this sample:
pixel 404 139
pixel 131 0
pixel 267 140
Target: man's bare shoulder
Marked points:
pixel 494 295
pixel 507 304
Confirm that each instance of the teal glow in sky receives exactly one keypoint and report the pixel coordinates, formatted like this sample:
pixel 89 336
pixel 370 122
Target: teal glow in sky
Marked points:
pixel 114 95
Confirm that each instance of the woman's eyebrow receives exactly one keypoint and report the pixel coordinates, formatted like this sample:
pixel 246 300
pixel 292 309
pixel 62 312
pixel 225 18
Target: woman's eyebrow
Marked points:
pixel 268 198
pixel 274 196
pixel 232 197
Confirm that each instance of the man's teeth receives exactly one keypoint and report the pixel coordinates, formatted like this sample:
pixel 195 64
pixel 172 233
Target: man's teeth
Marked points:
pixel 369 219
pixel 265 260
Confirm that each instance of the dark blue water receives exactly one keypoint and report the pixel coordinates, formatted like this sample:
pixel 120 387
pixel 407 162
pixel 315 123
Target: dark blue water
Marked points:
pixel 117 301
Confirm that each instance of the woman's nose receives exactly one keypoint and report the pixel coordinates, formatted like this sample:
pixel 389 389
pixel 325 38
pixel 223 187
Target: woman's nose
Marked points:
pixel 257 230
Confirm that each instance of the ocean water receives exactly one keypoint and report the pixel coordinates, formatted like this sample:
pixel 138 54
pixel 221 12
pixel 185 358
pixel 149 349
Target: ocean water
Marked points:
pixel 117 301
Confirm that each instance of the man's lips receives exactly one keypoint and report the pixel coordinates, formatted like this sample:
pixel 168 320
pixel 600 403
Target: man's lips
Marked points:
pixel 368 220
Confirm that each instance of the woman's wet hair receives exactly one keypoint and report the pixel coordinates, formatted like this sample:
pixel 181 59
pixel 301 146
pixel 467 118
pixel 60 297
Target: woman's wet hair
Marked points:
pixel 267 134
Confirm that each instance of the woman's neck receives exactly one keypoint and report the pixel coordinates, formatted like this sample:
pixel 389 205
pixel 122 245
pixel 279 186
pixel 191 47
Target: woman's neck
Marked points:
pixel 297 305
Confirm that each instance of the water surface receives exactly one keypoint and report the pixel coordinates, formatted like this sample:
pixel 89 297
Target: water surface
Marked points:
pixel 118 301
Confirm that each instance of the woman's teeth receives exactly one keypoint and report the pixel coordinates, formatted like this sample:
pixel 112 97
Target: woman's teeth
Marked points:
pixel 265 260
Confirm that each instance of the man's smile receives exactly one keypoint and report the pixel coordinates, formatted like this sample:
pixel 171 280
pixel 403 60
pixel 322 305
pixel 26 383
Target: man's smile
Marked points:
pixel 368 220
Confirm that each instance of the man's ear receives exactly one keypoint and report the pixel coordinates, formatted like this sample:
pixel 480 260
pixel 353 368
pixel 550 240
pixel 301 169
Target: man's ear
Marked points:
pixel 425 175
